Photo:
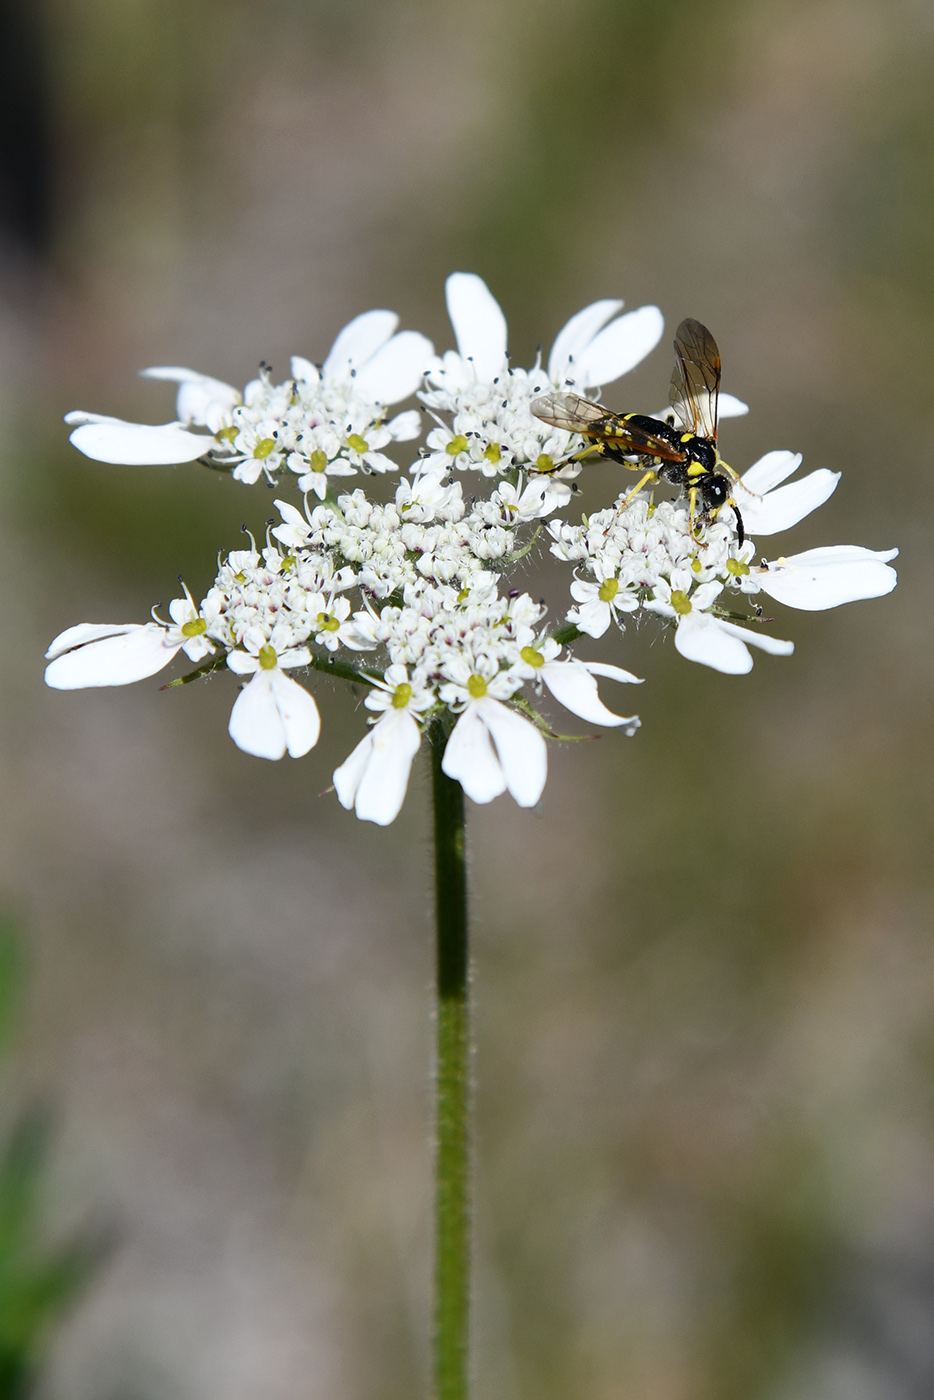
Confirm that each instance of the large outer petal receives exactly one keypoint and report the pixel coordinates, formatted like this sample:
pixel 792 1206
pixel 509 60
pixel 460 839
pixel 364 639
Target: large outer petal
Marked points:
pixel 623 344
pixel 470 759
pixel 358 342
pixel 770 471
pixel 375 776
pixel 699 638
pixel 573 686
pixel 779 510
pixel 825 578
pixel 196 393
pixel 274 714
pixel 396 370
pixel 128 654
pixel 479 323
pixel 139 444
pixel 521 750
pixel 576 335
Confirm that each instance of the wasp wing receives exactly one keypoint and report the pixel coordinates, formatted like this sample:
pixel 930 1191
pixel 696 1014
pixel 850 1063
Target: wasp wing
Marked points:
pixel 570 412
pixel 592 420
pixel 695 382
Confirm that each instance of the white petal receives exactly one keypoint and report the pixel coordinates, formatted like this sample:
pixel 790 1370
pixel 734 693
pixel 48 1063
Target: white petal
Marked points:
pixel 273 714
pixel 405 426
pixel 577 334
pixel 469 758
pixel 304 370
pixel 572 684
pixel 396 370
pixel 770 470
pixel 728 406
pixel 825 578
pixel 479 324
pixel 300 716
pixel 197 392
pixel 130 654
pixel 139 444
pixel 358 341
pixel 624 343
pixel 615 673
pixel 242 663
pixel 779 510
pixel 699 638
pixel 347 776
pixel 773 645
pixel 87 632
pixel 521 750
pixel 381 791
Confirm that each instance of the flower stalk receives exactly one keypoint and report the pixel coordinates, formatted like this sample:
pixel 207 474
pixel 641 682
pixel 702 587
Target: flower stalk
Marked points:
pixel 452 1082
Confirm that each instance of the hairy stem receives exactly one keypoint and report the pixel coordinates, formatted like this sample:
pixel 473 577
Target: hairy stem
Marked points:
pixel 452 1083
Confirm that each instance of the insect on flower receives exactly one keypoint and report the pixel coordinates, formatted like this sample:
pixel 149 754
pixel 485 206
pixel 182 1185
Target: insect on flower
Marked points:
pixel 680 448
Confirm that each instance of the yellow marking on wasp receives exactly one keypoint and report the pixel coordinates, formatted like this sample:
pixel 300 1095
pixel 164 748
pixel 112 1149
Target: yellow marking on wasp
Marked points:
pixel 696 469
pixel 687 437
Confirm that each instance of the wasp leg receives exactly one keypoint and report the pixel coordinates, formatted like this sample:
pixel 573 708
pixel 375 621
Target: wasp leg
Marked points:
pixel 693 494
pixel 650 475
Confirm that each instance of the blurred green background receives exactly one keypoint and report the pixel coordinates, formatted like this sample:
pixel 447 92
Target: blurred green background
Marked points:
pixel 705 976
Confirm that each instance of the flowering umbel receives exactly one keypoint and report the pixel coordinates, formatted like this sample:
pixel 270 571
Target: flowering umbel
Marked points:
pixel 410 595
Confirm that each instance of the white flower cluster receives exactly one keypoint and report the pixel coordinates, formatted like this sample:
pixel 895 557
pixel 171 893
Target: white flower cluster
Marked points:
pixel 415 586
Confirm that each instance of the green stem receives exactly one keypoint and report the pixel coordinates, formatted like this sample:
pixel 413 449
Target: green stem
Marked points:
pixel 452 1159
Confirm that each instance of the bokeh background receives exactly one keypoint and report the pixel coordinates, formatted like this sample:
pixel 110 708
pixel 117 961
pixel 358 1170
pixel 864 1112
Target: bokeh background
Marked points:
pixel 704 975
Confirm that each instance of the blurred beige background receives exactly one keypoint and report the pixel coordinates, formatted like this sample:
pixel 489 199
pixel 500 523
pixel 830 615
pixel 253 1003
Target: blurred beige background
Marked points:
pixel 705 975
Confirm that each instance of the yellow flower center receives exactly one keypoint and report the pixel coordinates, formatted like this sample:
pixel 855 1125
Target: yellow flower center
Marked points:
pixel 401 696
pixel 194 628
pixel 608 590
pixel 267 658
pixel 476 687
pixel 531 657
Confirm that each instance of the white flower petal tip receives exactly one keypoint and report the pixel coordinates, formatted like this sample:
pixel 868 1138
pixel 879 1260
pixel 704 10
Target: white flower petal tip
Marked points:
pixel 397 369
pixel 274 715
pixel 722 645
pixel 829 577
pixel 491 748
pixel 98 654
pixel 589 352
pixel 767 511
pixel 197 393
pixel 479 323
pixel 136 444
pixel 374 779
pixel 620 346
pixel 573 685
pixel 729 406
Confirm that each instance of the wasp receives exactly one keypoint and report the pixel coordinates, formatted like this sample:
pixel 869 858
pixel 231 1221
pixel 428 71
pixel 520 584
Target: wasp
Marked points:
pixel 680 448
